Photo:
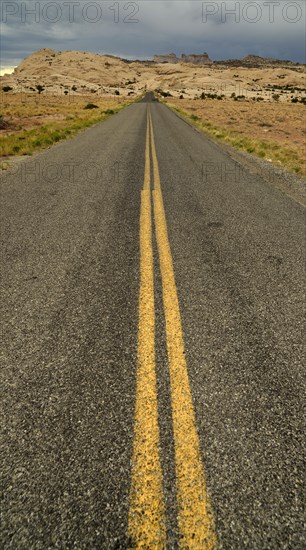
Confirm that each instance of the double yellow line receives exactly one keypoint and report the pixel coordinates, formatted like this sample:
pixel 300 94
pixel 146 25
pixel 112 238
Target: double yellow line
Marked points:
pixel 147 527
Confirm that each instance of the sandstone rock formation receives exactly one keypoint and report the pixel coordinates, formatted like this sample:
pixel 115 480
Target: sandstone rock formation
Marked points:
pixel 80 73
pixel 195 59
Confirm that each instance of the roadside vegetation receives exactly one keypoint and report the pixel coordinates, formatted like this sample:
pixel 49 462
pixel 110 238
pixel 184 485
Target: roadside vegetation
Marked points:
pixel 274 134
pixel 29 123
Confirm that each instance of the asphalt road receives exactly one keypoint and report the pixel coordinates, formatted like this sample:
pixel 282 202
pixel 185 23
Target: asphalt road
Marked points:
pixel 105 445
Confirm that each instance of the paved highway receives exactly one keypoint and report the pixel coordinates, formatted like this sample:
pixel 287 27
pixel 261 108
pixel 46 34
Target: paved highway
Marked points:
pixel 152 326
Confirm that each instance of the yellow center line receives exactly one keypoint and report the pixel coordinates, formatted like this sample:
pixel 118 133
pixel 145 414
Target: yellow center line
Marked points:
pixel 146 184
pixel 146 512
pixel 154 156
pixel 196 521
pixel 147 509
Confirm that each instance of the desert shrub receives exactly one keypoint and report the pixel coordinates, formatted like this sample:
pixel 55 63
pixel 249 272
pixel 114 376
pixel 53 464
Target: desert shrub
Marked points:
pixel 7 88
pixel 3 123
pixel 117 92
pixel 109 112
pixel 212 96
pixel 181 96
pixel 56 136
pixel 91 106
pixel 74 88
pixel 275 97
pixel 36 143
pixel 295 100
pixel 39 88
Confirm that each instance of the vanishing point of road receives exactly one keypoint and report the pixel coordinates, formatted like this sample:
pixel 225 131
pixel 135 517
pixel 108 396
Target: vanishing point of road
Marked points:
pixel 152 345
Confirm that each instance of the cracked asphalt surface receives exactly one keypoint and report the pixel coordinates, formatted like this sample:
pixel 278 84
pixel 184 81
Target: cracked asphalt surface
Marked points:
pixel 70 289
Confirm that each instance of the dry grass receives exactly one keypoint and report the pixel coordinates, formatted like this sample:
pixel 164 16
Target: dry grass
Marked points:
pixel 272 131
pixel 32 122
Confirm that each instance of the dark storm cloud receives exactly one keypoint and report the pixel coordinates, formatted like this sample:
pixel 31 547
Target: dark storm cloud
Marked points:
pixel 140 29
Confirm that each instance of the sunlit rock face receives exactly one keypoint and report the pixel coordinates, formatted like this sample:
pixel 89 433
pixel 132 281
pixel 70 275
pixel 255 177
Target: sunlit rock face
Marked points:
pixel 195 59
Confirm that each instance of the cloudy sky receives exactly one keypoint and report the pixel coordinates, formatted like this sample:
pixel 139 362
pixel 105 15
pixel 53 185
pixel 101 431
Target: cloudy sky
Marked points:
pixel 143 28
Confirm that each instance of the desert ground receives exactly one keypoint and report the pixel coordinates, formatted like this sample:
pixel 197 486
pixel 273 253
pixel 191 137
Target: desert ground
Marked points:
pixel 274 131
pixel 34 121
